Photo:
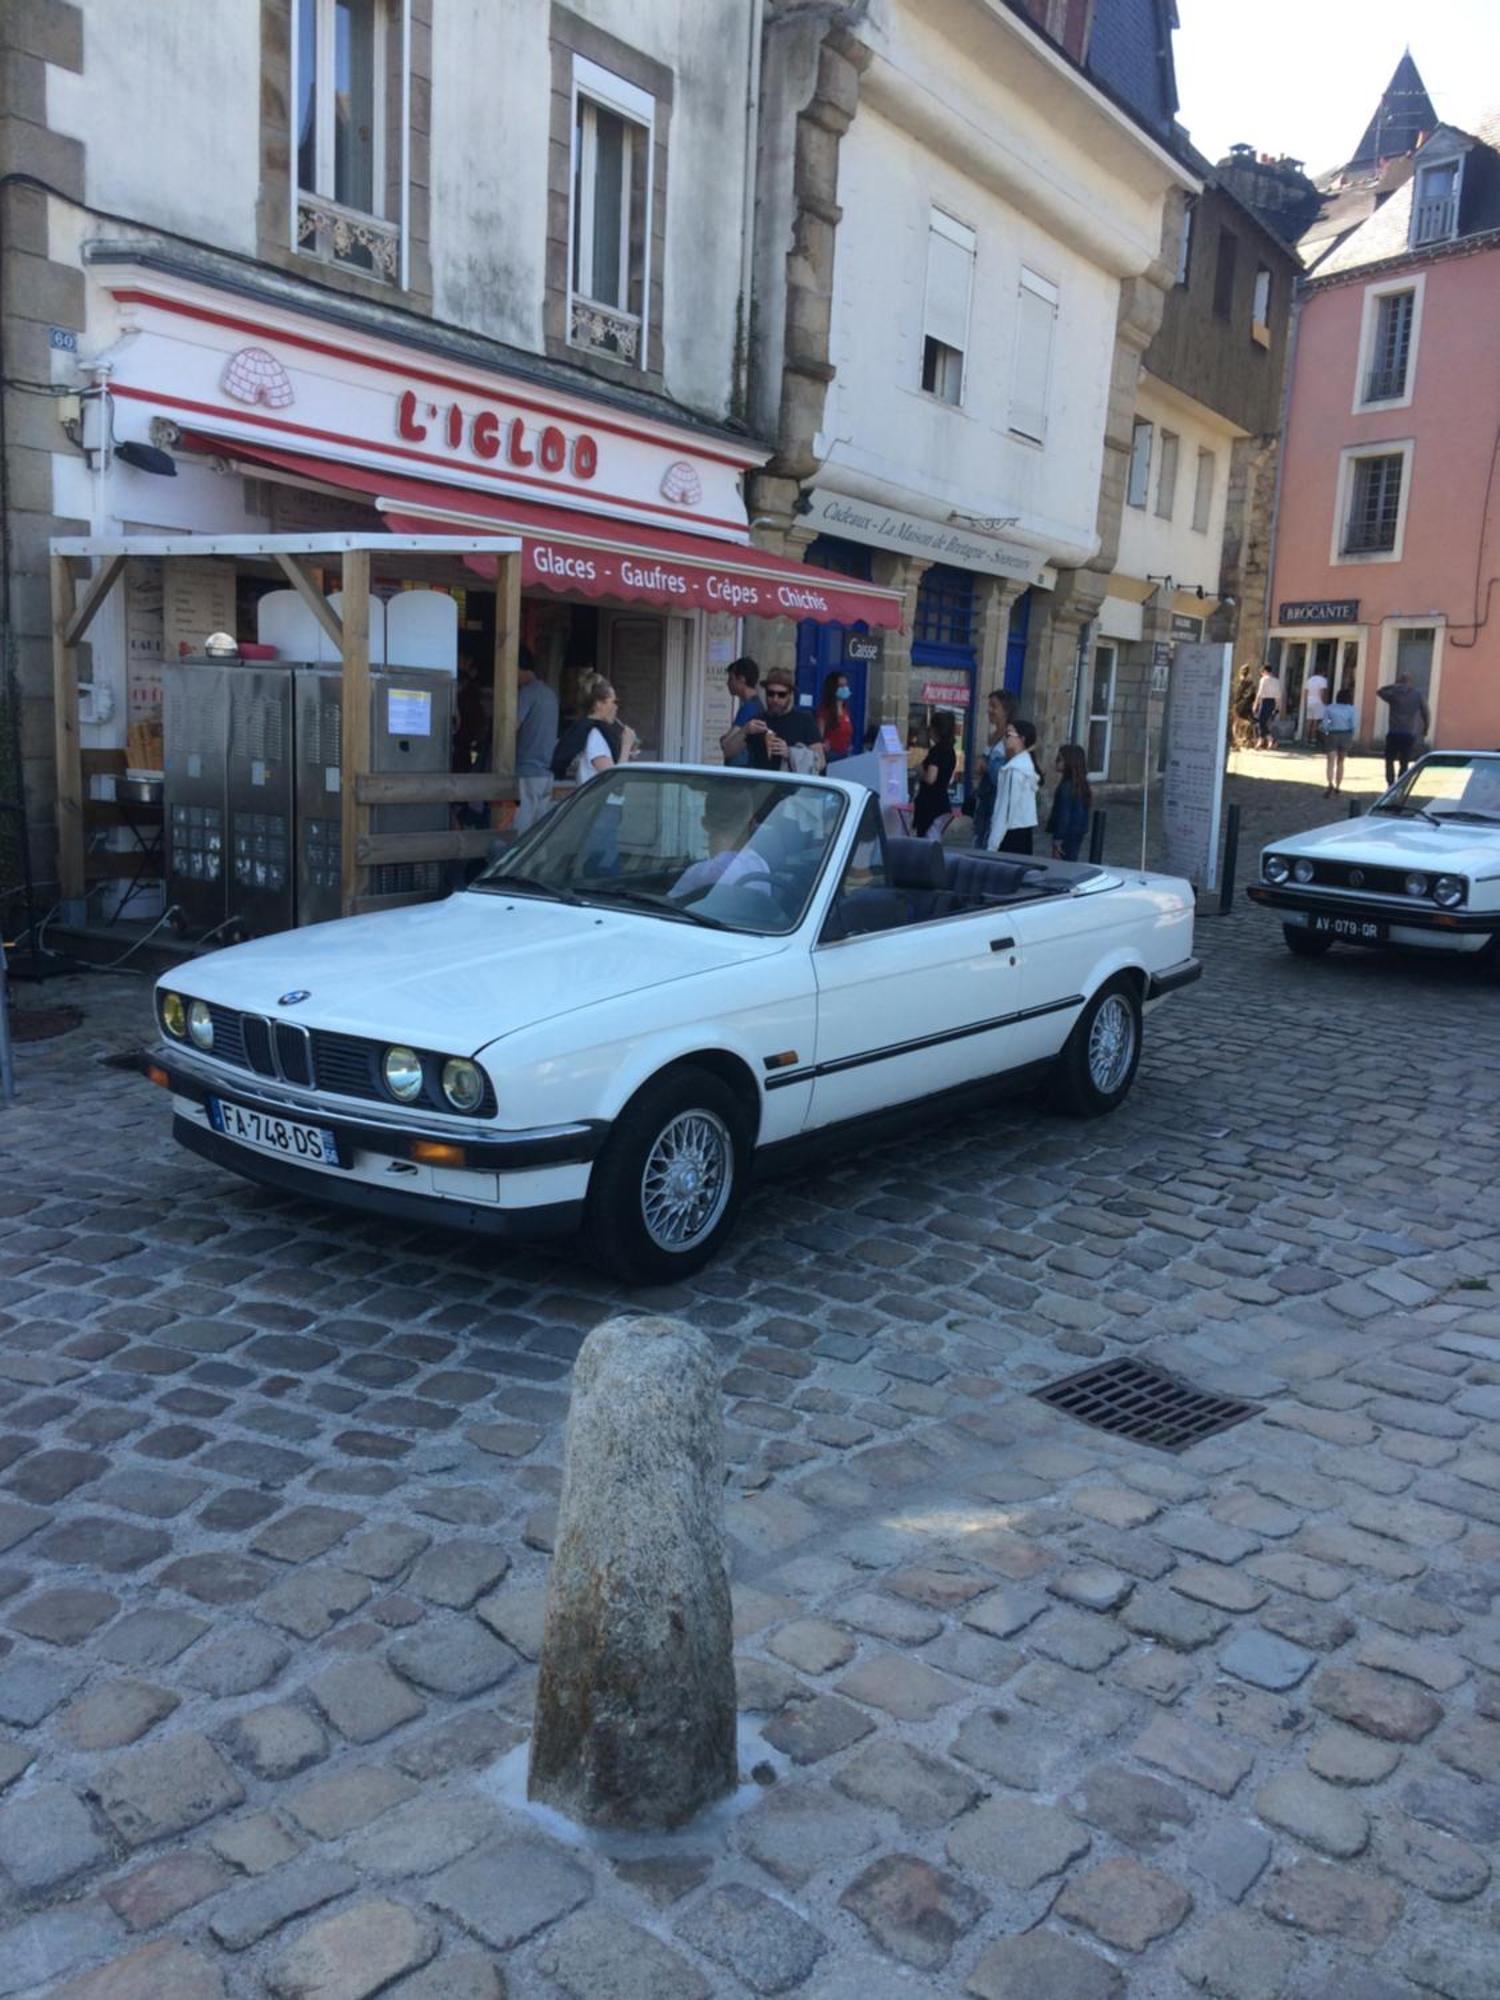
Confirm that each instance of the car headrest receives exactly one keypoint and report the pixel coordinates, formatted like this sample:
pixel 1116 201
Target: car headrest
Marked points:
pixel 916 864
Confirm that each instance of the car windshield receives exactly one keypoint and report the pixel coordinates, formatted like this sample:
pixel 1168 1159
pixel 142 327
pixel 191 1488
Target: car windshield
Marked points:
pixel 732 851
pixel 1447 784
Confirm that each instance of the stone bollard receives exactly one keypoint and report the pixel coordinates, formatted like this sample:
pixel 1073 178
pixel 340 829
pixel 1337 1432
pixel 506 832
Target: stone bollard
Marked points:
pixel 635 1705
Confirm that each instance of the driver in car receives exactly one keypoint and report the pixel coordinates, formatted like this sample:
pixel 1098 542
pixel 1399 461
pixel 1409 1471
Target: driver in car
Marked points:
pixel 728 811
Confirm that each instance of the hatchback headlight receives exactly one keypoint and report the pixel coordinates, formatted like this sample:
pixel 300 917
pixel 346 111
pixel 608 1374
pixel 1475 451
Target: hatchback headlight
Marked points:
pixel 1416 885
pixel 1276 868
pixel 1303 870
pixel 403 1074
pixel 463 1084
pixel 173 1015
pixel 1448 890
pixel 200 1025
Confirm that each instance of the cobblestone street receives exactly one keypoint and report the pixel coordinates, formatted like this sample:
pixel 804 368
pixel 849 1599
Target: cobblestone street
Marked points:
pixel 1051 1717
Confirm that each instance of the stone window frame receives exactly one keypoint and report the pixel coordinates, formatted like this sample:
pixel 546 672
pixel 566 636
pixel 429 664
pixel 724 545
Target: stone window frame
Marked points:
pixel 408 97
pixel 570 37
pixel 1414 283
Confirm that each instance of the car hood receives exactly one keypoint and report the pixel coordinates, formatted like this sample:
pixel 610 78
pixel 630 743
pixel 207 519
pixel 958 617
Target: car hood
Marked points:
pixel 1381 840
pixel 461 973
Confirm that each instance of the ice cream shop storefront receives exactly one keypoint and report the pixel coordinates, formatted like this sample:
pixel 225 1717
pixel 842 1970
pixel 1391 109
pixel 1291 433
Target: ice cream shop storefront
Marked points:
pixel 635 559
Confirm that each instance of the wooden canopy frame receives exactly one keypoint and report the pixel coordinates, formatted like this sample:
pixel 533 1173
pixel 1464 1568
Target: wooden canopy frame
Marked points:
pixel 79 590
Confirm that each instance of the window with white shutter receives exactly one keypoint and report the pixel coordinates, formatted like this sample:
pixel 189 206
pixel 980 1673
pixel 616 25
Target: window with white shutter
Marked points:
pixel 1036 321
pixel 945 320
pixel 1139 477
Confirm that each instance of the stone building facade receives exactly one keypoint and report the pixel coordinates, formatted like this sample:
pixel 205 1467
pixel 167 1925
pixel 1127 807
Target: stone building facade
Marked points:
pixel 961 254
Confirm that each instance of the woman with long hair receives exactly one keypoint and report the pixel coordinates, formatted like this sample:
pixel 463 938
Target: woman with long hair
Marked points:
pixel 835 720
pixel 1068 820
pixel 606 740
pixel 935 775
pixel 999 709
pixel 1338 733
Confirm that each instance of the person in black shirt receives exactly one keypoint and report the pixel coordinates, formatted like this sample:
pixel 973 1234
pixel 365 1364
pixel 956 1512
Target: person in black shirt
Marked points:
pixel 935 776
pixel 770 741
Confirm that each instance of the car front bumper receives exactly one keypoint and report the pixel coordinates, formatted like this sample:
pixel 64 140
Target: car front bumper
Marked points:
pixel 1415 924
pixel 506 1183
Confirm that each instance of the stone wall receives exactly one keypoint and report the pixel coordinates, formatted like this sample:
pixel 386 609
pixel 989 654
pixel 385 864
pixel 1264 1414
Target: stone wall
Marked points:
pixel 36 295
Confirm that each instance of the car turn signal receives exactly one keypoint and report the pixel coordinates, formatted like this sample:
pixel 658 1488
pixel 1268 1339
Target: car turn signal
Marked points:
pixel 433 1153
pixel 156 1074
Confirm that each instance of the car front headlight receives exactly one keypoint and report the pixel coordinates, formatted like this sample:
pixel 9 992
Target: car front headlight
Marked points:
pixel 1276 868
pixel 200 1025
pixel 1303 870
pixel 402 1070
pixel 1416 885
pixel 1448 890
pixel 463 1084
pixel 173 1015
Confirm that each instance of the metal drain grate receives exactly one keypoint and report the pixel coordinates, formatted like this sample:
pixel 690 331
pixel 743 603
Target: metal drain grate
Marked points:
pixel 1131 1400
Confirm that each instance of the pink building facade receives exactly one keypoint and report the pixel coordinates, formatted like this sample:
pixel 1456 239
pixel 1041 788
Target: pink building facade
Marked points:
pixel 1387 549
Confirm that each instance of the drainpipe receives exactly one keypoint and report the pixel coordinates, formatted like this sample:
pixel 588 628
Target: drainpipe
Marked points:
pixel 1293 329
pixel 747 220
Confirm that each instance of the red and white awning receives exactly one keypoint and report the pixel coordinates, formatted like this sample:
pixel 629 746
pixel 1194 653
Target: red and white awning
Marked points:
pixel 576 554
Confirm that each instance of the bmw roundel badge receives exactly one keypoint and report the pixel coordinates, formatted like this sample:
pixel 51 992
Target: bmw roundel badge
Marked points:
pixel 290 999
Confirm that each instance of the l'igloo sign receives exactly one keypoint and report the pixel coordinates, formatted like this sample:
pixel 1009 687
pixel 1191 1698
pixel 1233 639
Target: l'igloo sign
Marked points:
pixel 254 375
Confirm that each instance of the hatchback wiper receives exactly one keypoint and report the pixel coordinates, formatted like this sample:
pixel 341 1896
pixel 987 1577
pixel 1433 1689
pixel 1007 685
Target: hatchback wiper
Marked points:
pixel 659 906
pixel 506 885
pixel 1405 807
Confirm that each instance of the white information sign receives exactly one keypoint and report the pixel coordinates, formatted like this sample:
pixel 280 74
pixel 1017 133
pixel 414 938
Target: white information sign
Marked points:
pixel 1193 794
pixel 408 712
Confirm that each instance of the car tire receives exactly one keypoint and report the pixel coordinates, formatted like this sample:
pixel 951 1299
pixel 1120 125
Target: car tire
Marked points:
pixel 1302 943
pixel 687 1128
pixel 1099 1061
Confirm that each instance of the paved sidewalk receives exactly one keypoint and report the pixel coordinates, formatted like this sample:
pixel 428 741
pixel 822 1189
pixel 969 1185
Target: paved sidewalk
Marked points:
pixel 1050 1717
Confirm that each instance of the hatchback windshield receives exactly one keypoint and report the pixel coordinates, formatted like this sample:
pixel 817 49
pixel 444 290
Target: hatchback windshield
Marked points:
pixel 733 852
pixel 1447 785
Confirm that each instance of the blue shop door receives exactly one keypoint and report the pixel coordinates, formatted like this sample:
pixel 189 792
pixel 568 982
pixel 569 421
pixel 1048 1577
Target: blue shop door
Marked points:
pixel 820 652
pixel 1015 644
pixel 820 648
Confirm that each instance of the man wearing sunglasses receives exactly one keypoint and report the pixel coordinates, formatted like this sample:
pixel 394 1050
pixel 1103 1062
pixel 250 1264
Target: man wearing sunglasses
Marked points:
pixel 785 727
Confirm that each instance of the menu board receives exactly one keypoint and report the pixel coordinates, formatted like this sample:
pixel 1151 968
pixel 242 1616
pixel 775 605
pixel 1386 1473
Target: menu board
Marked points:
pixel 198 599
pixel 1193 791
pixel 718 704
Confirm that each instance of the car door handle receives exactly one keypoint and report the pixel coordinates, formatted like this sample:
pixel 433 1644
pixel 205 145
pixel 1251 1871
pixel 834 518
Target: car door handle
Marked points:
pixel 1002 944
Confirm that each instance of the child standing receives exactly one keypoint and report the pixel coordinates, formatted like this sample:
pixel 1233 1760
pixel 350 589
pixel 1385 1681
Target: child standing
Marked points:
pixel 1068 820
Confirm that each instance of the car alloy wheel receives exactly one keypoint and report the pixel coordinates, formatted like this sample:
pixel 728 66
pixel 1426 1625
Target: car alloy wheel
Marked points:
pixel 666 1188
pixel 686 1180
pixel 1112 1038
pixel 1098 1061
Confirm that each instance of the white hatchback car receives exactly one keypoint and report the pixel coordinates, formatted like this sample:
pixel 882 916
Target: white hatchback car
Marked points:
pixel 680 973
pixel 1422 868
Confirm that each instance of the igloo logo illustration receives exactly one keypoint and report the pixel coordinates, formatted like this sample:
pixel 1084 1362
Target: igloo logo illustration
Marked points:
pixel 254 376
pixel 681 485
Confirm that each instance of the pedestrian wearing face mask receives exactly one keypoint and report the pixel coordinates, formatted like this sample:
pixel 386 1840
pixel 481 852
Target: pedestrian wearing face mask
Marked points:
pixel 835 721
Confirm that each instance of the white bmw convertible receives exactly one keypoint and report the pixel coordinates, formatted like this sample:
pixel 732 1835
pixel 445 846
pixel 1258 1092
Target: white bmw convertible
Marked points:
pixel 1421 869
pixel 678 976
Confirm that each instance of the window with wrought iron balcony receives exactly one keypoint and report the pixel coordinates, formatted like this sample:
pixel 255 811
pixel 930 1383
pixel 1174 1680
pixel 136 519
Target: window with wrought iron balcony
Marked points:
pixel 610 215
pixel 349 126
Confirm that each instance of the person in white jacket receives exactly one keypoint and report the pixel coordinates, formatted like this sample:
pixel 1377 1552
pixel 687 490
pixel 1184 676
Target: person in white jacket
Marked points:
pixel 1014 820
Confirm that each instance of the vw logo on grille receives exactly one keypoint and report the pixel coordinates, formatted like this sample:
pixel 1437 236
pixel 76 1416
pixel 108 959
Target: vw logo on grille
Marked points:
pixel 1356 881
pixel 290 999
